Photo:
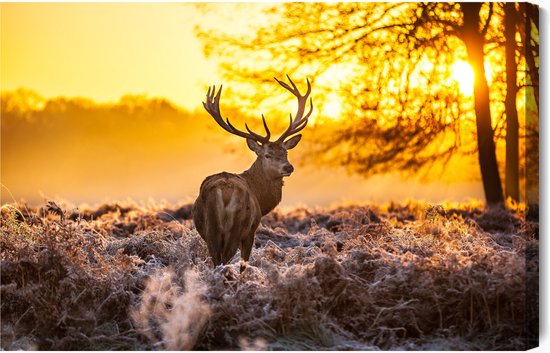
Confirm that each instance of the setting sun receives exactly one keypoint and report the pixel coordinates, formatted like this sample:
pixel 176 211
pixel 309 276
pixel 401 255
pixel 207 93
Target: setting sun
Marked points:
pixel 463 74
pixel 332 107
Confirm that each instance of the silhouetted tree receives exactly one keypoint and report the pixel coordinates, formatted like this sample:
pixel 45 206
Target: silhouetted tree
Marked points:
pixel 474 39
pixel 512 123
pixel 528 28
pixel 529 32
pixel 402 110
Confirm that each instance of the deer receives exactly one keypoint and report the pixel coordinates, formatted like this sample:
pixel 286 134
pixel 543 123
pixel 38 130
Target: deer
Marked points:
pixel 229 207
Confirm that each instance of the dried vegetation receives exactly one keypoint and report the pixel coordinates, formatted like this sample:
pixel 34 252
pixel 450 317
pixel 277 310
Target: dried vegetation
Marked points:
pixel 407 277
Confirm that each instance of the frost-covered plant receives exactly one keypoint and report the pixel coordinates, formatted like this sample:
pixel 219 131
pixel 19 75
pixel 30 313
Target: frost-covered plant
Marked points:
pixel 412 276
pixel 170 316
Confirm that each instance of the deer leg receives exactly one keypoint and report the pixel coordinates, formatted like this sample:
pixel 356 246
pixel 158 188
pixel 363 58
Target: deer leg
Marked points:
pixel 215 255
pixel 214 239
pixel 246 248
pixel 229 251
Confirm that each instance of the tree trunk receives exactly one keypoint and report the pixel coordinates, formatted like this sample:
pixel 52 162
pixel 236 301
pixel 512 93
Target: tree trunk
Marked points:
pixel 512 124
pixel 532 14
pixel 474 40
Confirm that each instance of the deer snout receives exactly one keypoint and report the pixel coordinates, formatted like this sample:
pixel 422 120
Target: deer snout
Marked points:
pixel 288 169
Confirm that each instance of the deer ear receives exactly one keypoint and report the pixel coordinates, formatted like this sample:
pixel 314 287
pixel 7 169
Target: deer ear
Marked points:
pixel 254 146
pixel 291 143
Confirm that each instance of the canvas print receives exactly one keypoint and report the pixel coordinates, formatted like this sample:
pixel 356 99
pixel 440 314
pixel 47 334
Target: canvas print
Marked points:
pixel 270 176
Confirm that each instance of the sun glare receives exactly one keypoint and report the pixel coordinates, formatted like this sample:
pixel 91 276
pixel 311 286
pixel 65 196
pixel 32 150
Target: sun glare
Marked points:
pixel 332 107
pixel 463 74
pixel 332 80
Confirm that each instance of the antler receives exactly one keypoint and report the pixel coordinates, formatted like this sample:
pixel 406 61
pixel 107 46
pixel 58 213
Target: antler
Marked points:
pixel 299 121
pixel 212 106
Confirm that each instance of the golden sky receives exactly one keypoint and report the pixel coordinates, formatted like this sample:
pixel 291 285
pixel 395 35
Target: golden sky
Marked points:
pixel 103 51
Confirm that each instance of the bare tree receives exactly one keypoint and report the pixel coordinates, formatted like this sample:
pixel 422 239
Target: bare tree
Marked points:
pixel 512 123
pixel 401 110
pixel 473 36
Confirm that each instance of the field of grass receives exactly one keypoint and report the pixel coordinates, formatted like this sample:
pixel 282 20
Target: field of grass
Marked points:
pixel 407 277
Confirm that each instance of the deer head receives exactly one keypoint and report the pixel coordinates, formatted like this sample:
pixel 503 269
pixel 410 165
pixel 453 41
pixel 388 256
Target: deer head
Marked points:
pixel 272 155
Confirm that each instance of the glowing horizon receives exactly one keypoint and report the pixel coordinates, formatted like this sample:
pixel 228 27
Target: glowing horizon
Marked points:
pixel 104 51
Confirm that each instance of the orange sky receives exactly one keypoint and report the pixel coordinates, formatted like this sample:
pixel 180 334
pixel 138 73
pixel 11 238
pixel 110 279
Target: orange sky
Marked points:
pixel 103 51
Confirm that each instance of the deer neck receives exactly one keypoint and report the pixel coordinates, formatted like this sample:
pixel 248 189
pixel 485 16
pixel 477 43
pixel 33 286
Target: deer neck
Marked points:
pixel 268 190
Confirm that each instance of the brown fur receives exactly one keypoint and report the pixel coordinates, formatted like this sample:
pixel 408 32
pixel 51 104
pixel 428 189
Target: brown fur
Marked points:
pixel 230 206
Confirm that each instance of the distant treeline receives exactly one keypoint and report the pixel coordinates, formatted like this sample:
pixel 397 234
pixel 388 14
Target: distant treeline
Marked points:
pixel 26 108
pixel 77 147
pixel 139 146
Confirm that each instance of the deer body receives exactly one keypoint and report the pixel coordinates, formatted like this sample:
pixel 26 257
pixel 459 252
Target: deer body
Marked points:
pixel 230 206
pixel 226 216
pixel 236 202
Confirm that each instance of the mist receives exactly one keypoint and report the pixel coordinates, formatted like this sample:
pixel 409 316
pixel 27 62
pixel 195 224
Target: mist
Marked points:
pixel 147 149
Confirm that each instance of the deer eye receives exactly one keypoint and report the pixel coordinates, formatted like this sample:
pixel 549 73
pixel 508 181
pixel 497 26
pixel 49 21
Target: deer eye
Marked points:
pixel 267 156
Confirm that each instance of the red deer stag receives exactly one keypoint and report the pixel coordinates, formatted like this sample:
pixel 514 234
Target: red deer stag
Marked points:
pixel 229 207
